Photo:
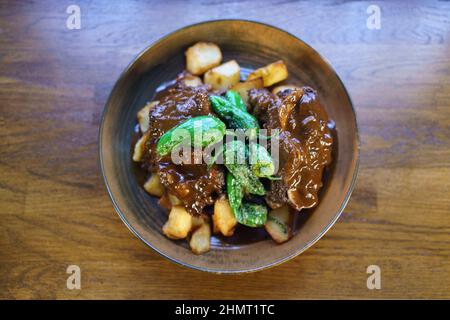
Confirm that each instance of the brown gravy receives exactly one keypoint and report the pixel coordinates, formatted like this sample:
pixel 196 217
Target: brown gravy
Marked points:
pixel 305 144
pixel 194 185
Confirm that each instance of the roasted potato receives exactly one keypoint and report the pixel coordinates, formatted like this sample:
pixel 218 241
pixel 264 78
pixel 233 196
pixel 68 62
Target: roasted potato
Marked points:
pixel 277 224
pixel 202 56
pixel 224 76
pixel 139 148
pixel 143 115
pixel 153 186
pixel 179 223
pixel 190 80
pixel 243 87
pixel 284 87
pixel 200 241
pixel 223 217
pixel 272 73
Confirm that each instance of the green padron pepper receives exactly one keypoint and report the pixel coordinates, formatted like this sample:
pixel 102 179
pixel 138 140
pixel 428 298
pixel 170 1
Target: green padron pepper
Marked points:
pixel 246 213
pixel 235 117
pixel 235 191
pixel 236 99
pixel 261 162
pixel 252 214
pixel 235 160
pixel 212 130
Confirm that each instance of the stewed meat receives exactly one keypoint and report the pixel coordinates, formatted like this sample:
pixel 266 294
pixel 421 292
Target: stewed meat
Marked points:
pixel 305 143
pixel 194 185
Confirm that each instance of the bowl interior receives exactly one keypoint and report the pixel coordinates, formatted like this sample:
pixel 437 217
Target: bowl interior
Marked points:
pixel 252 45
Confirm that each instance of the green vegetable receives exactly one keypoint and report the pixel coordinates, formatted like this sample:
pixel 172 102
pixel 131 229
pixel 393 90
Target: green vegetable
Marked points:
pixel 261 161
pixel 245 176
pixel 211 128
pixel 235 191
pixel 235 117
pixel 249 214
pixel 235 152
pixel 252 214
pixel 240 178
pixel 235 161
pixel 213 159
pixel 236 99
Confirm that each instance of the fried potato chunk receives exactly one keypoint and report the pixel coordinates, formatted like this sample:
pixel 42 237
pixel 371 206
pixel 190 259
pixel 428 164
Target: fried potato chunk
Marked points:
pixel 272 73
pixel 139 148
pixel 179 223
pixel 143 115
pixel 224 76
pixel 223 217
pixel 202 56
pixel 243 87
pixel 154 186
pixel 200 241
pixel 192 81
pixel 277 224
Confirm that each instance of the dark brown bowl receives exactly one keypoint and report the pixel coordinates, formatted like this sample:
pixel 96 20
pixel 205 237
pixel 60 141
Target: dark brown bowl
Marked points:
pixel 253 45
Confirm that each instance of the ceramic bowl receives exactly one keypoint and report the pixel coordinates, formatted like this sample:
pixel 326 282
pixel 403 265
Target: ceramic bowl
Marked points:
pixel 253 45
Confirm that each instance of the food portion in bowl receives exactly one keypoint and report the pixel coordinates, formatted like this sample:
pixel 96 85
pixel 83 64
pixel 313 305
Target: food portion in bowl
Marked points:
pixel 223 150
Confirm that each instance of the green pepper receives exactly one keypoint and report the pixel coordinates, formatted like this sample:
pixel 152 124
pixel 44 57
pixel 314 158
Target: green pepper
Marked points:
pixel 261 161
pixel 249 181
pixel 236 99
pixel 235 152
pixel 235 191
pixel 212 130
pixel 235 161
pixel 249 214
pixel 235 117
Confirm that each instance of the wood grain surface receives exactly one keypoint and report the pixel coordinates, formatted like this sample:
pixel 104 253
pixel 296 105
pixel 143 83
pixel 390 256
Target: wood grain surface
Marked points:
pixel 54 209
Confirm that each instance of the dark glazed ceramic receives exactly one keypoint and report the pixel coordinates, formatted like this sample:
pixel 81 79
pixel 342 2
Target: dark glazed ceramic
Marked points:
pixel 253 45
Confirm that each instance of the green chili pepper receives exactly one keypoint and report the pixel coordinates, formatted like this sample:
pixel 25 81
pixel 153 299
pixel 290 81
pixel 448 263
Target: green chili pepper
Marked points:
pixel 235 191
pixel 235 117
pixel 235 152
pixel 236 99
pixel 211 128
pixel 235 160
pixel 246 177
pixel 249 214
pixel 261 161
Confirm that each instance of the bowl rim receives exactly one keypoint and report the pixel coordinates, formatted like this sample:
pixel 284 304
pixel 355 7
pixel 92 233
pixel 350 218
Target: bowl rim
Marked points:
pixel 205 269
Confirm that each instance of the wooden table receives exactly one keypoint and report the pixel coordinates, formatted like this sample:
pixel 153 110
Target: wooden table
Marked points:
pixel 55 211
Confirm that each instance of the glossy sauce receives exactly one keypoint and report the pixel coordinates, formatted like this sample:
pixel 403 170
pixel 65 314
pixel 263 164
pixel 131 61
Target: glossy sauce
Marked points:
pixel 305 144
pixel 194 185
pixel 305 152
